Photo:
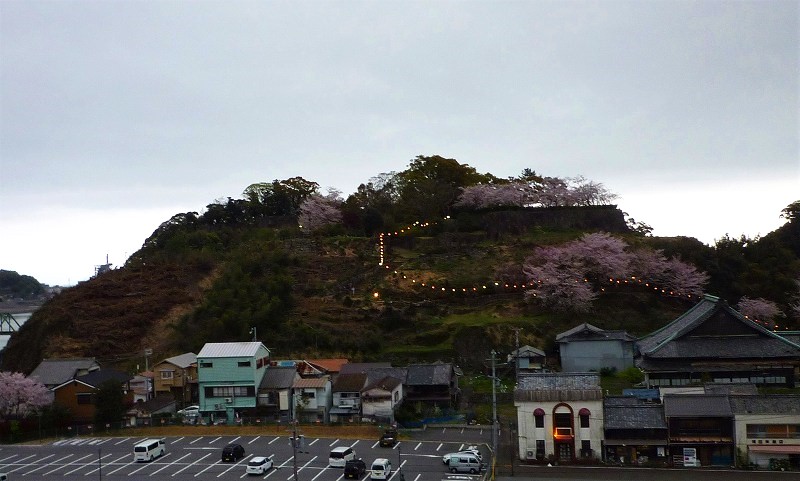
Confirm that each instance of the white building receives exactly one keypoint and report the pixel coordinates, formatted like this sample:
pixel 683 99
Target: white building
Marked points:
pixel 767 427
pixel 560 416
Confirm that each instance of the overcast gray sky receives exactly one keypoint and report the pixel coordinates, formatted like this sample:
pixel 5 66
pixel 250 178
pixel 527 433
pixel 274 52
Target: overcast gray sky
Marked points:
pixel 115 115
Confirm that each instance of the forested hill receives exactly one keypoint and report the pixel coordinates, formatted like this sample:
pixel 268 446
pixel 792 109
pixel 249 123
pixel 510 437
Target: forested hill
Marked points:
pixel 437 262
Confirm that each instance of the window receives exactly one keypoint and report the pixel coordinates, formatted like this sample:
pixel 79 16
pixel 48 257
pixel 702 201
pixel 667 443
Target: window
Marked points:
pixel 308 394
pixel 584 420
pixel 586 449
pixel 84 398
pixel 230 391
pixel 206 364
pixel 244 363
pixel 166 375
pixel 540 449
pixel 539 419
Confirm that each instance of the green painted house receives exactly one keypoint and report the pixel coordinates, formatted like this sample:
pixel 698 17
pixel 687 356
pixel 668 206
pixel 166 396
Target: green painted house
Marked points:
pixel 228 376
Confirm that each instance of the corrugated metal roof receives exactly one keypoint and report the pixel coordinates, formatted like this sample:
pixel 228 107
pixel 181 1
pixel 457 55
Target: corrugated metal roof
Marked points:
pixel 312 382
pixel 230 349
pixel 182 360
pixel 278 377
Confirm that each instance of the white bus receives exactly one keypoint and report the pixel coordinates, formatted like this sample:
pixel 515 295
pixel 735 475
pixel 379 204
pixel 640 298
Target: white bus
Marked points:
pixel 148 449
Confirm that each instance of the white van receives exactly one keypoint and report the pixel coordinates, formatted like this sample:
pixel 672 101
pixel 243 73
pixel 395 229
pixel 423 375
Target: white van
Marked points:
pixel 149 449
pixel 465 463
pixel 381 469
pixel 340 455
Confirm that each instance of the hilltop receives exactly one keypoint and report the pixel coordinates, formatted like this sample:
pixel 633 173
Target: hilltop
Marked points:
pixel 385 282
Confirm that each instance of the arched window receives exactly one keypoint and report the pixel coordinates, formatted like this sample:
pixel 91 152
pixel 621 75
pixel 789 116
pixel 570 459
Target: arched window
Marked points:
pixel 584 415
pixel 538 417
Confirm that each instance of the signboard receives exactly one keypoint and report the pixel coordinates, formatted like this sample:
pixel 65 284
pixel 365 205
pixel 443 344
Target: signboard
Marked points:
pixel 690 458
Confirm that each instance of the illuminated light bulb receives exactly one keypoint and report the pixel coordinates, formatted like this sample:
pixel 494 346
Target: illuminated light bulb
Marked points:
pixel 464 289
pixel 375 295
pixel 443 288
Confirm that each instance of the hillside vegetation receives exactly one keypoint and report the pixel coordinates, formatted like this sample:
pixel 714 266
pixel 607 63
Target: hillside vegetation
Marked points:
pixel 341 289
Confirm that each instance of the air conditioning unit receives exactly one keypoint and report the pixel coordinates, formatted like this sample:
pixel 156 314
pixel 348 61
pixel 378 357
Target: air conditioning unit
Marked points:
pixel 228 400
pixel 530 454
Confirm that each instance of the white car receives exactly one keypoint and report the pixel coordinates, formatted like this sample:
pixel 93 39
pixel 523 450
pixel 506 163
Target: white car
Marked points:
pixel 190 410
pixel 470 450
pixel 259 465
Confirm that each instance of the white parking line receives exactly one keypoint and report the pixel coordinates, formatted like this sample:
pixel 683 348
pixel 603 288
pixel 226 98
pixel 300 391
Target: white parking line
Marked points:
pixel 24 465
pixel 84 465
pixel 418 445
pixel 191 464
pixel 144 465
pixel 198 439
pixel 354 444
pixel 170 464
pixel 375 444
pixel 105 440
pixel 108 464
pixel 254 440
pixel 13 455
pixel 417 478
pixel 48 464
pixel 277 438
pixel 234 465
pixel 320 473
pixel 440 446
pixel 173 442
pixel 123 465
pixel 303 466
pixel 122 441
pixel 234 439
pixel 207 468
pixel 334 442
pixel 312 442
pixel 217 439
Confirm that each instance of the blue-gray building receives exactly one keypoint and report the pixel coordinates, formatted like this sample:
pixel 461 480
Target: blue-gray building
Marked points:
pixel 588 348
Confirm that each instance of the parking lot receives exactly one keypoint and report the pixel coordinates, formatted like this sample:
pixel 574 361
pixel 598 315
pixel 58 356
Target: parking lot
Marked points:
pixel 199 457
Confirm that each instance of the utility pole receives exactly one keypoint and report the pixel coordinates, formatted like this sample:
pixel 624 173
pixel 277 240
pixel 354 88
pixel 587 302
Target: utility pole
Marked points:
pixel 253 332
pixel 494 411
pixel 294 448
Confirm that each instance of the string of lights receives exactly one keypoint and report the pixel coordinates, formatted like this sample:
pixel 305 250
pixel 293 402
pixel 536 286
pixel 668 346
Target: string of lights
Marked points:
pixel 383 240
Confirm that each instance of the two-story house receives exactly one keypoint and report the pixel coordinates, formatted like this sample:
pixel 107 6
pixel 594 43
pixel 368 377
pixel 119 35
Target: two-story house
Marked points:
pixel 229 374
pixel 701 424
pixel 275 391
pixel 767 427
pixel 380 398
pixel 312 399
pixel 560 416
pixel 79 395
pixel 587 348
pixel 347 396
pixel 177 376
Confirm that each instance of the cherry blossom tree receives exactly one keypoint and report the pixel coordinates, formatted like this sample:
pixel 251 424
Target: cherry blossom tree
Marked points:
pixel 567 277
pixel 20 395
pixel 318 211
pixel 481 196
pixel 758 309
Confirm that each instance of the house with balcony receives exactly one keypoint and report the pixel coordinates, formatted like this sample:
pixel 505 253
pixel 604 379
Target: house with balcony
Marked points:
pixel 767 428
pixel 177 376
pixel 229 374
pixel 380 398
pixel 346 401
pixel 312 399
pixel 560 416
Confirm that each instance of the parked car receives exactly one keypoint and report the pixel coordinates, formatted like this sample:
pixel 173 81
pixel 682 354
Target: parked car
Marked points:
pixel 189 410
pixel 232 453
pixel 465 463
pixel 381 469
pixel 470 450
pixel 388 438
pixel 355 469
pixel 259 465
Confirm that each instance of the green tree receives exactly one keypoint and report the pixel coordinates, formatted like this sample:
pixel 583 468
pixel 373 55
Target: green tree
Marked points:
pixel 431 185
pixel 109 404
pixel 279 197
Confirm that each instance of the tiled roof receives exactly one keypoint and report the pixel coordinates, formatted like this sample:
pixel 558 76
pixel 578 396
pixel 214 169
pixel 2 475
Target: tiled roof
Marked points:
pixel 229 349
pixel 328 365
pixel 630 413
pixel 361 367
pixel 436 374
pixel 182 360
pixel 697 405
pixel 588 332
pixel 376 374
pixel 560 380
pixel 528 351
pixel 670 340
pixel 311 382
pixel 788 404
pixel 730 388
pixel 387 384
pixel 277 377
pixel 52 372
pixel 96 378
pixel 353 382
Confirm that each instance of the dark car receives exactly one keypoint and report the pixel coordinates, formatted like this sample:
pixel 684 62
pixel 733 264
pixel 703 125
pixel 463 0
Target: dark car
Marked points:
pixel 232 452
pixel 354 469
pixel 389 438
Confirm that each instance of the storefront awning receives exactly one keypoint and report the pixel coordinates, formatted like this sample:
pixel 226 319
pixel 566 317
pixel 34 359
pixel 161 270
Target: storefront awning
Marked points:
pixel 775 449
pixel 635 442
